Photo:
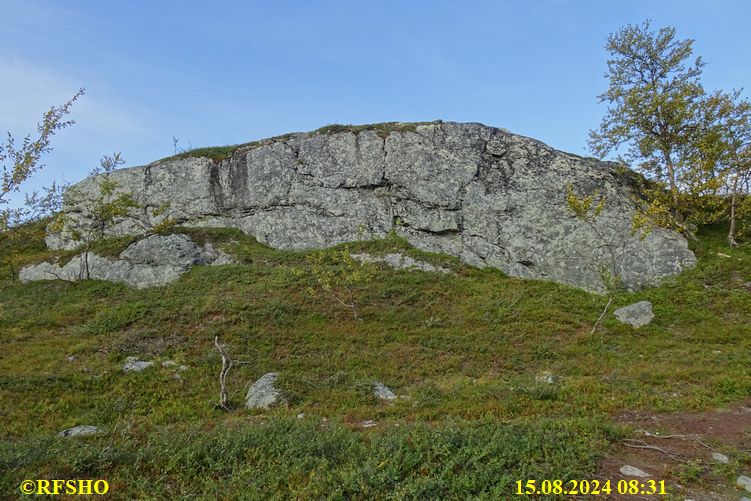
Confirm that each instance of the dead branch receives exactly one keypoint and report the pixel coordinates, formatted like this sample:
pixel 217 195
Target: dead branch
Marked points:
pixel 643 445
pixel 226 366
pixel 694 437
pixel 70 281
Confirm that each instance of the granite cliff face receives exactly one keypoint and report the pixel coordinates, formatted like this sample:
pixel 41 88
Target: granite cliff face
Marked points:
pixel 485 195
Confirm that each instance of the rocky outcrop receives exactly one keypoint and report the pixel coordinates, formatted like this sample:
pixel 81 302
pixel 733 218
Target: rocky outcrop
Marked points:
pixel 488 196
pixel 153 261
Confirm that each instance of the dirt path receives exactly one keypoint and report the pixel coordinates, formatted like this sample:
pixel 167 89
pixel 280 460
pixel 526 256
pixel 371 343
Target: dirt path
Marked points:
pixel 678 448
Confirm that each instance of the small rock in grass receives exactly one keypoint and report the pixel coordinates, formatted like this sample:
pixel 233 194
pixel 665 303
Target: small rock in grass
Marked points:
pixel 743 482
pixel 546 377
pixel 70 358
pixel 79 431
pixel 264 394
pixel 382 391
pixel 132 364
pixel 636 315
pixel 301 415
pixel 633 471
pixel 368 423
pixel 720 458
pixel 167 364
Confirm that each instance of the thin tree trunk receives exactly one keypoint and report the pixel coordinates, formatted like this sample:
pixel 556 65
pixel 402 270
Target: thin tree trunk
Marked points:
pixel 733 202
pixel 604 312
pixel 671 180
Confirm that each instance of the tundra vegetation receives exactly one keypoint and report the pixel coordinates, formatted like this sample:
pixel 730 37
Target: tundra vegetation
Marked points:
pixel 465 348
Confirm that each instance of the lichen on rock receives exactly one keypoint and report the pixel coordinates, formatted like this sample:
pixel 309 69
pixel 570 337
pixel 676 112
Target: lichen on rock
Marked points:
pixel 153 261
pixel 482 194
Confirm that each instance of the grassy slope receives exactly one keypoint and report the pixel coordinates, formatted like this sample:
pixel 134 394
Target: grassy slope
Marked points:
pixel 465 349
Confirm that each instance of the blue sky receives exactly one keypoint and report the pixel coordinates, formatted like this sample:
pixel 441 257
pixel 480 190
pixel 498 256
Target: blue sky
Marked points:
pixel 214 73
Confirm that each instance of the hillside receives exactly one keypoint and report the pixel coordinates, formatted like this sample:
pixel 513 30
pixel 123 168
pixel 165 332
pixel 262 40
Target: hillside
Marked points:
pixel 469 351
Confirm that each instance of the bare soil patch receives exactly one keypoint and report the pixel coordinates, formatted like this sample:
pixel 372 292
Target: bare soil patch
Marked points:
pixel 678 448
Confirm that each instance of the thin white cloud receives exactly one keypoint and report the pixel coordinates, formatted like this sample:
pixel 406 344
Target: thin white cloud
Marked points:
pixel 27 90
pixel 103 123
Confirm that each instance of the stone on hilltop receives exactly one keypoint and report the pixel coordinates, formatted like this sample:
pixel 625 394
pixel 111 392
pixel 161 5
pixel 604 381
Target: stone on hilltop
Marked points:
pixel 382 391
pixel 633 471
pixel 80 431
pixel 264 394
pixel 132 364
pixel 636 315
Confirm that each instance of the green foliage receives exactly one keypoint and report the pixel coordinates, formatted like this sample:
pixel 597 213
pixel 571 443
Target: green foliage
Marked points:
pixel 221 153
pixel 588 210
pixel 21 162
pixel 654 99
pixel 465 347
pixel 582 207
pixel 285 458
pixel 105 209
pixel 382 129
pixel 340 276
pixel 694 144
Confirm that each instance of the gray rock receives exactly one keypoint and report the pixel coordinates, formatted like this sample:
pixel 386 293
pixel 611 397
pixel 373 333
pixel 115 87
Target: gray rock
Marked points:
pixel 132 364
pixel 80 431
pixel 744 498
pixel 264 394
pixel 636 315
pixel 720 458
pixel 400 262
pixel 169 363
pixel 633 471
pixel 383 392
pixel 153 261
pixel 485 195
pixel 743 482
pixel 368 423
pixel 546 377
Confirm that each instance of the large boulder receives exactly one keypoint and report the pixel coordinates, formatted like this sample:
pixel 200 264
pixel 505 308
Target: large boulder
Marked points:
pixel 488 196
pixel 153 261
